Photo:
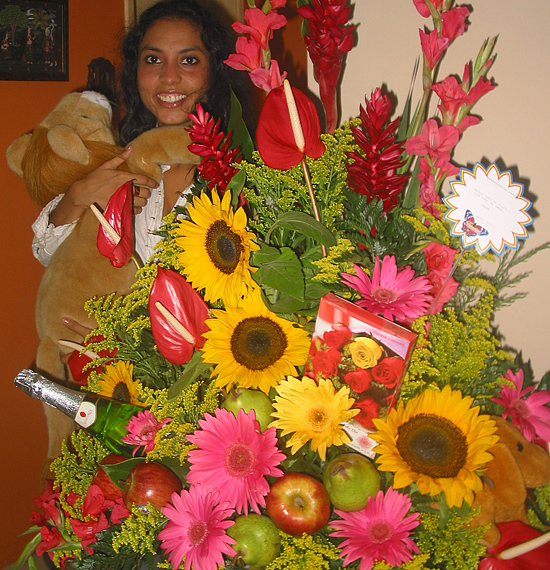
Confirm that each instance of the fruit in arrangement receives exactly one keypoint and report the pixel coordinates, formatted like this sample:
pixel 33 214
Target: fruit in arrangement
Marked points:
pixel 298 503
pixel 247 399
pixel 150 483
pixel 110 489
pixel 350 480
pixel 258 541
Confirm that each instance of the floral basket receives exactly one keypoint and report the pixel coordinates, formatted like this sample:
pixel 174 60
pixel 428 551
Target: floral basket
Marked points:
pixel 310 352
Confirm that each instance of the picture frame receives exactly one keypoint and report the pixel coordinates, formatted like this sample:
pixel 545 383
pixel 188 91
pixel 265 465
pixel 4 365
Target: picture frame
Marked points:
pixel 34 40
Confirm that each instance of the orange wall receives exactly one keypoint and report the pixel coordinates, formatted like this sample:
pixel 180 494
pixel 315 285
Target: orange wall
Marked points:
pixel 93 32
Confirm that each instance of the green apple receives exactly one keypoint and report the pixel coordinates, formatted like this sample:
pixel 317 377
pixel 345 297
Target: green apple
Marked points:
pixel 247 399
pixel 258 540
pixel 350 480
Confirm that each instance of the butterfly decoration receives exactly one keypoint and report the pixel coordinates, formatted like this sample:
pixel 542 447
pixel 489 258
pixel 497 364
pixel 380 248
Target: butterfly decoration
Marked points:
pixel 470 228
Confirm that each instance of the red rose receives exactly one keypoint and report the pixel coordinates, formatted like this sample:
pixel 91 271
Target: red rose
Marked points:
pixel 389 371
pixel 359 380
pixel 337 336
pixel 325 362
pixel 439 258
pixel 369 411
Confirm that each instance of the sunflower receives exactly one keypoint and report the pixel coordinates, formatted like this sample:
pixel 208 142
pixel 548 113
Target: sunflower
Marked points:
pixel 252 347
pixel 312 412
pixel 216 249
pixel 116 382
pixel 438 441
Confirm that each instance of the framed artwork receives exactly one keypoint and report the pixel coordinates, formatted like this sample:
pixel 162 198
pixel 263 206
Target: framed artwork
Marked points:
pixel 34 40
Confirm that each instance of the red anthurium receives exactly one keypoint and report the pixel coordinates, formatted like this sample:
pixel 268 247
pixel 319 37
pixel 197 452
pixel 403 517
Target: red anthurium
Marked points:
pixel 513 534
pixel 275 137
pixel 120 216
pixel 77 362
pixel 171 291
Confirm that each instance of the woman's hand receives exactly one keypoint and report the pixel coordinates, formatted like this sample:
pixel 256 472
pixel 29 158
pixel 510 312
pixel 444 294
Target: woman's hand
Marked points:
pixel 98 187
pixel 79 329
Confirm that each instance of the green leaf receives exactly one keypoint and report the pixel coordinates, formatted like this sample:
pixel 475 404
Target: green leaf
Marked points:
pixel 118 472
pixel 413 191
pixel 266 254
pixel 240 135
pixel 283 274
pixel 306 225
pixel 27 551
pixel 193 369
pixel 235 186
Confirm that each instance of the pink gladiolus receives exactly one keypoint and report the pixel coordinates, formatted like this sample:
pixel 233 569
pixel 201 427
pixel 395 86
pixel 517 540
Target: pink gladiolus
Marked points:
pixel 275 138
pixel 454 22
pixel 434 141
pixel 259 25
pixel 423 9
pixel 530 414
pixel 248 54
pixel 119 214
pixel 187 306
pixel 452 96
pixel 433 46
pixel 482 87
pixel 268 79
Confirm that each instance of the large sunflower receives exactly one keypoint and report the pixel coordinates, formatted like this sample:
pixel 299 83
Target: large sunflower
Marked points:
pixel 116 382
pixel 438 441
pixel 216 249
pixel 252 347
pixel 312 412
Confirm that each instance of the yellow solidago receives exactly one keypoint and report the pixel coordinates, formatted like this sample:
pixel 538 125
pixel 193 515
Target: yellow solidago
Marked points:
pixel 453 546
pixel 542 496
pixel 304 552
pixel 334 263
pixel 185 409
pixel 140 530
pixel 417 563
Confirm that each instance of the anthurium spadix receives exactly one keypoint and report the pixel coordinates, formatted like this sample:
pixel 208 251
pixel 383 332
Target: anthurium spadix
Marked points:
pixel 279 142
pixel 115 237
pixel 178 316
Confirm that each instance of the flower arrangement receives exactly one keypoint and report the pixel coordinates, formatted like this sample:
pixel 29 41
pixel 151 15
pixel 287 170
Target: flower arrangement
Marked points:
pixel 246 402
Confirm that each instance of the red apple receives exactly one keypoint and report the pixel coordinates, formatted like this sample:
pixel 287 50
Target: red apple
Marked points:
pixel 110 489
pixel 298 503
pixel 150 483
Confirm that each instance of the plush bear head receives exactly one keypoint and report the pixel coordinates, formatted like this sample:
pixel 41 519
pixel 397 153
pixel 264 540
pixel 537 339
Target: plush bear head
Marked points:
pixel 74 139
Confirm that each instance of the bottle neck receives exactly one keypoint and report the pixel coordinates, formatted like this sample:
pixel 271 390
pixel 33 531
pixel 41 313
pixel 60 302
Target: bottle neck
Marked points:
pixel 57 396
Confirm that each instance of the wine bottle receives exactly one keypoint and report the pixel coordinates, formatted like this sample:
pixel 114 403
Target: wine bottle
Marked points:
pixel 104 417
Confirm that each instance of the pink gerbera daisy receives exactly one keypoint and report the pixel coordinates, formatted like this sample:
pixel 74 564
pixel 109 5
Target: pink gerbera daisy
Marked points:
pixel 395 295
pixel 234 457
pixel 142 430
pixel 530 415
pixel 196 530
pixel 380 531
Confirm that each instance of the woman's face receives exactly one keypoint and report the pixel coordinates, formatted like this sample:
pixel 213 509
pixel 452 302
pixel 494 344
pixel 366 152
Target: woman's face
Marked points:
pixel 172 70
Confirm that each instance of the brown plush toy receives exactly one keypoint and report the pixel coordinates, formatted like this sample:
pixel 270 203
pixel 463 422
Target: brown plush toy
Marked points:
pixel 518 465
pixel 73 140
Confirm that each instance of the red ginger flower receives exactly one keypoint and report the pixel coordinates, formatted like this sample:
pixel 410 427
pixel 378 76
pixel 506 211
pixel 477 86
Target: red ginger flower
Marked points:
pixel 375 174
pixel 208 142
pixel 328 39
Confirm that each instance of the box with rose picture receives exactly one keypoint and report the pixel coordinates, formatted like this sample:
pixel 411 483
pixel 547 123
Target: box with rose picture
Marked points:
pixel 365 352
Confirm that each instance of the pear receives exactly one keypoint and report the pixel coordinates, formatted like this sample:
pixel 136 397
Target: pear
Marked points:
pixel 350 479
pixel 258 540
pixel 247 399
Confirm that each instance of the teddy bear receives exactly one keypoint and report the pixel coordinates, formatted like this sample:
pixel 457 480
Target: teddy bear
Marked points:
pixel 517 466
pixel 73 140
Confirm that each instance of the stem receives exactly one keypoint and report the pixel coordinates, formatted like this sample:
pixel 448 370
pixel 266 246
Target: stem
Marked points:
pixel 313 199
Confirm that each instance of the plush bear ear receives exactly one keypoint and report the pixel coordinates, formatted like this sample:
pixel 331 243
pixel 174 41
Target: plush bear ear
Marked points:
pixel 16 152
pixel 66 143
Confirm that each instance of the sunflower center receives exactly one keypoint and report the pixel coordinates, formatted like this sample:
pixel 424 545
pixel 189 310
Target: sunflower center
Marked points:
pixel 379 531
pixel 318 419
pixel 197 532
pixel 258 342
pixel 432 445
pixel 384 295
pixel 239 460
pixel 121 392
pixel 224 247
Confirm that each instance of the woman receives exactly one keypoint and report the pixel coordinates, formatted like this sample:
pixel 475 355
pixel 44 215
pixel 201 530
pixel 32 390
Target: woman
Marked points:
pixel 172 59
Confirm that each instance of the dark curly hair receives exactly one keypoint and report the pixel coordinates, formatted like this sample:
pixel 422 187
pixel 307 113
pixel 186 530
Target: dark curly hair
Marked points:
pixel 138 118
